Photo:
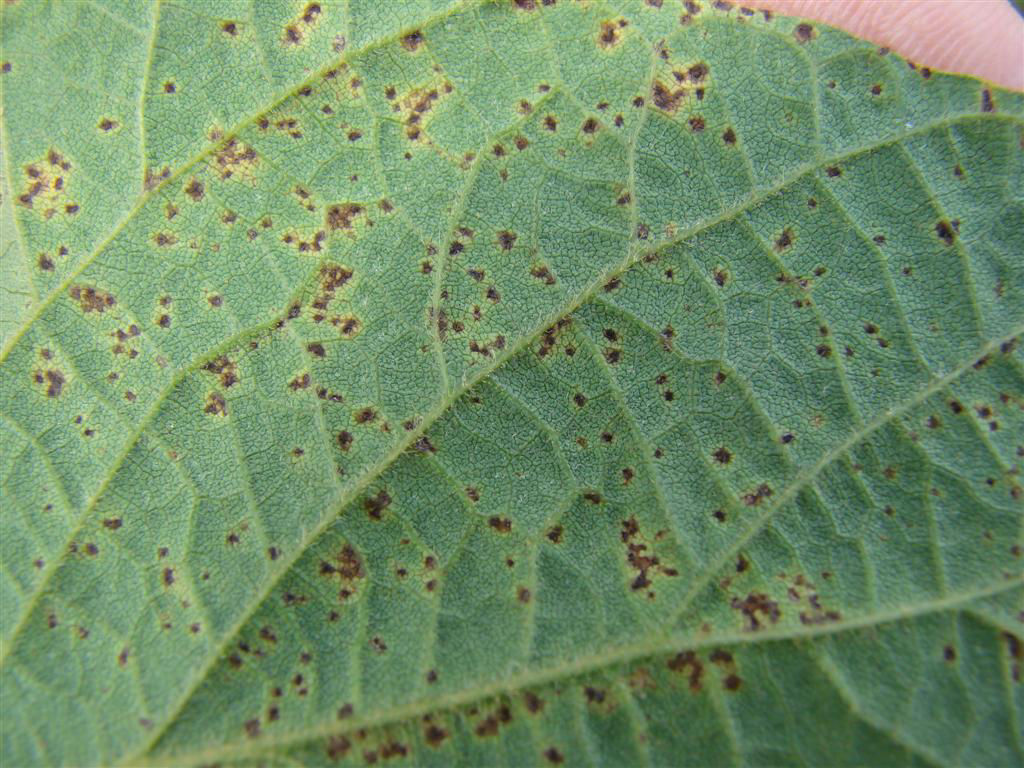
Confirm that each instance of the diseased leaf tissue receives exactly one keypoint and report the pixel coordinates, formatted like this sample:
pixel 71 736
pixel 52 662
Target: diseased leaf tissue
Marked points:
pixel 518 383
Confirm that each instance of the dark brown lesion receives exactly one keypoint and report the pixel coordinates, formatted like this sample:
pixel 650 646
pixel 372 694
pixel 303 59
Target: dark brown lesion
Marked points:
pixel 757 609
pixel 342 215
pixel 215 404
pixel 52 379
pixel 92 299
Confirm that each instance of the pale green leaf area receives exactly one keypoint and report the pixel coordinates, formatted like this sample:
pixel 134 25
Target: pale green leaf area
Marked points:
pixel 515 383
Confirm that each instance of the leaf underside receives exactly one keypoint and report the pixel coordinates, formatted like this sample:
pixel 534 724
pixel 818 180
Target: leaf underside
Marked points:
pixel 523 382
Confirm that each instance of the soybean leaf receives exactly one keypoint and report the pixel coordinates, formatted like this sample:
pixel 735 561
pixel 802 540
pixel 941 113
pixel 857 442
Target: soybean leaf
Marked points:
pixel 522 382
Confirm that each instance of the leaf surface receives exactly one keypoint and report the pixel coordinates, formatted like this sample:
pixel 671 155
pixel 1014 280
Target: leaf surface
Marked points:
pixel 513 383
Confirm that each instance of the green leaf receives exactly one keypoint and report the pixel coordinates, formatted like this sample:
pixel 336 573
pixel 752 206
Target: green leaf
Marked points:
pixel 521 382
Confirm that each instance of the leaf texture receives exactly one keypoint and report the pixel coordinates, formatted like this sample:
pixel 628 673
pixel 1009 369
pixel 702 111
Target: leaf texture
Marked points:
pixel 504 383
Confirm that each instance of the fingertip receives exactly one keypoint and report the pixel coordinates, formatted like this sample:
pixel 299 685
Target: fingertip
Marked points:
pixel 984 38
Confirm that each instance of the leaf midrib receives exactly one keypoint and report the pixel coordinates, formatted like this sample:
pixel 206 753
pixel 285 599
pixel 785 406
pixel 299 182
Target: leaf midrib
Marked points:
pixel 582 665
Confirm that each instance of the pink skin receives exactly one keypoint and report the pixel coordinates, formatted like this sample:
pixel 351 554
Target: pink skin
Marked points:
pixel 984 38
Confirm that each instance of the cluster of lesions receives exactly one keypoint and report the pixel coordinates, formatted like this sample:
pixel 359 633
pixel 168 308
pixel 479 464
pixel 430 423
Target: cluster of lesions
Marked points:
pixel 49 375
pixel 338 579
pixel 701 668
pixel 414 106
pixel 314 115
pixel 469 320
pixel 487 721
pixel 46 187
pixel 126 335
pixel 297 32
pixel 679 90
pixel 349 219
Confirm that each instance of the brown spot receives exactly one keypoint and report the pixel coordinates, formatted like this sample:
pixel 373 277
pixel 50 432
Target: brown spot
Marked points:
pixel 345 440
pixel 91 299
pixel 541 272
pixel 350 564
pixel 215 404
pixel 500 524
pixel 225 369
pixel 754 498
pixel 338 747
pixel 609 34
pixel 552 755
pixel 664 98
pixel 234 157
pixel 696 123
pixel 784 240
pixel 229 28
pixel 349 326
pixel 722 455
pixel 195 190
pixel 687 663
pixel 803 32
pixel 594 695
pixel 413 40
pixel 757 608
pixel 376 504
pixel 342 215
pixel 365 416
pixel 54 382
pixel 523 595
pixel 987 105
pixel 729 136
pixel 945 232
pixel 435 736
pixel 833 171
